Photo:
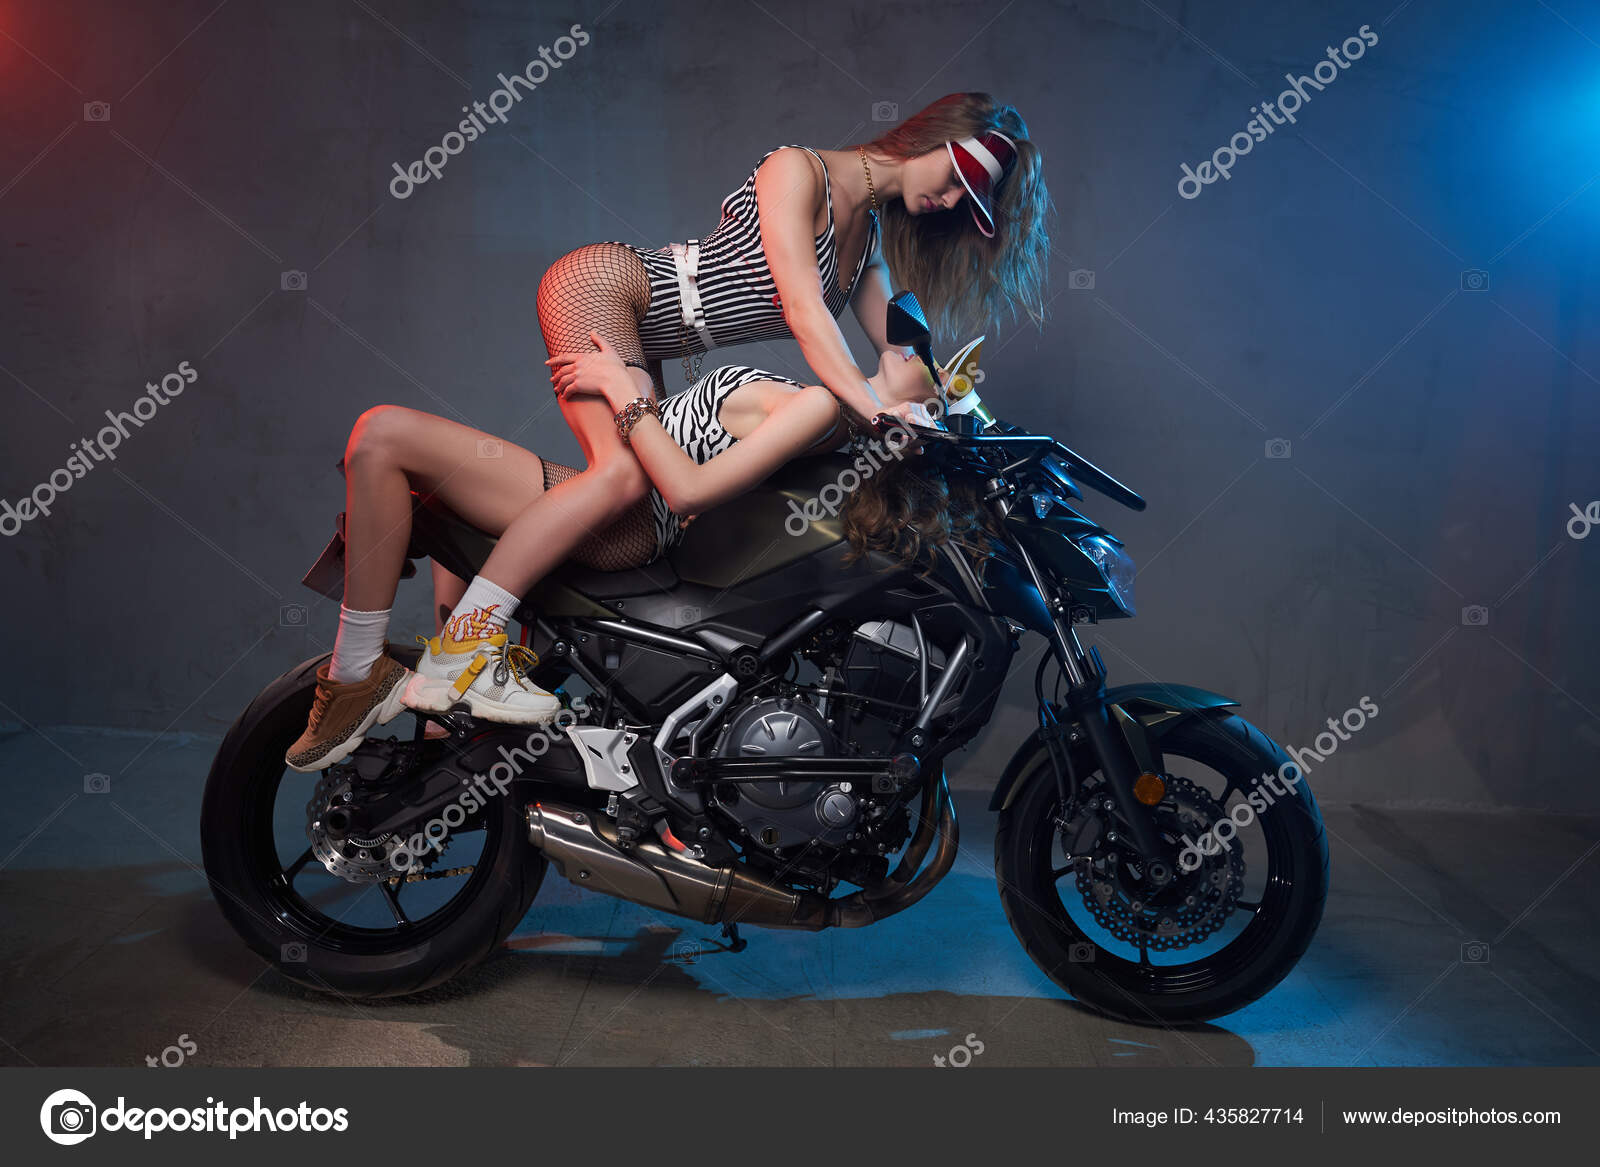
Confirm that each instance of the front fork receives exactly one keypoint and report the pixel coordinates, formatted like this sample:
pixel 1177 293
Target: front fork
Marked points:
pixel 1118 740
pixel 1118 747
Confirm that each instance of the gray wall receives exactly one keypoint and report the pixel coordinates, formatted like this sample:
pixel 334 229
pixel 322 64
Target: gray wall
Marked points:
pixel 1437 435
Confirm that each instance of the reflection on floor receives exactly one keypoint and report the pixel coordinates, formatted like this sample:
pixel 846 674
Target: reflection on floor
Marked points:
pixel 112 952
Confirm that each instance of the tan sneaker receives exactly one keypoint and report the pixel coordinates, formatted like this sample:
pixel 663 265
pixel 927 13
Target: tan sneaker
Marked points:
pixel 342 714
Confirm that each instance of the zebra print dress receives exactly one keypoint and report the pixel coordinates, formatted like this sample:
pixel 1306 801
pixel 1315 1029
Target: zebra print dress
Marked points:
pixel 690 418
pixel 736 286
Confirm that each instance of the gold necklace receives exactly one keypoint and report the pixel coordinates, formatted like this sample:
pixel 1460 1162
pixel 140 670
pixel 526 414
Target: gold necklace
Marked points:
pixel 872 193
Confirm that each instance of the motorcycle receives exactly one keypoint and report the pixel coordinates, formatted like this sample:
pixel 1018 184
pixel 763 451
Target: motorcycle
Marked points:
pixel 762 722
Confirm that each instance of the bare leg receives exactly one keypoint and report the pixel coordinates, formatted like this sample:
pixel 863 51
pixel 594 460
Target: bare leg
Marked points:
pixel 604 288
pixel 547 531
pixel 394 450
pixel 447 590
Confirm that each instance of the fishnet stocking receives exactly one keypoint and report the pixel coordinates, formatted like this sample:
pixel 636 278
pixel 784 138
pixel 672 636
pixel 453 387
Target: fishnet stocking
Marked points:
pixel 602 288
pixel 630 541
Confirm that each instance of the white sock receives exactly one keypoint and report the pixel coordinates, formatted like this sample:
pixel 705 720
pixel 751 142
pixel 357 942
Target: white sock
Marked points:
pixel 358 645
pixel 484 609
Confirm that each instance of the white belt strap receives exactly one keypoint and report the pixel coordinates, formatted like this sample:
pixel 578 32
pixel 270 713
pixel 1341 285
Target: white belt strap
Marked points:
pixel 686 257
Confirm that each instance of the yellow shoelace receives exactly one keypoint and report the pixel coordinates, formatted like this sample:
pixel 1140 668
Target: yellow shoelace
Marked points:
pixel 518 659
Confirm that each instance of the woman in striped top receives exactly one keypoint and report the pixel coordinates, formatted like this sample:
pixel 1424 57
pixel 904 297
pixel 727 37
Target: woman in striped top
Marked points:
pixel 770 269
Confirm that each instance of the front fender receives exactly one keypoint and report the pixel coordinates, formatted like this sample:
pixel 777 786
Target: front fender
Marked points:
pixel 1148 710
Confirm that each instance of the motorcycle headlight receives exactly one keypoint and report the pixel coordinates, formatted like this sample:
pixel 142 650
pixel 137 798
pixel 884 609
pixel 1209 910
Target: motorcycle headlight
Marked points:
pixel 1117 566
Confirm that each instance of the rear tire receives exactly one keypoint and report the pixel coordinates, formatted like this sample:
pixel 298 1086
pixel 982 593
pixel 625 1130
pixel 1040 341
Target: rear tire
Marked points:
pixel 243 864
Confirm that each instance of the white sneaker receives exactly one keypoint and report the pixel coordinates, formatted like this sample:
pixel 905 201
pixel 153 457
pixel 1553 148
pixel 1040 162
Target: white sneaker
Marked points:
pixel 488 674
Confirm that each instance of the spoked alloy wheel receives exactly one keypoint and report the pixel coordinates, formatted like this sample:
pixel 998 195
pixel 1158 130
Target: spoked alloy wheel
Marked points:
pixel 1212 940
pixel 362 928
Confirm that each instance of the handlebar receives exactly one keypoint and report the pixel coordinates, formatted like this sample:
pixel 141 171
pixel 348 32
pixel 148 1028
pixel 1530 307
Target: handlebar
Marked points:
pixel 1021 449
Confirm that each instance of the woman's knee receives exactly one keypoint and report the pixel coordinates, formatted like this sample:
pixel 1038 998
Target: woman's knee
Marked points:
pixel 624 479
pixel 378 435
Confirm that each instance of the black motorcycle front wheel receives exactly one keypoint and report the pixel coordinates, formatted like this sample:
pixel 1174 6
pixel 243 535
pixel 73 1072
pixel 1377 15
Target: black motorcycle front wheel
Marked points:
pixel 377 938
pixel 1094 947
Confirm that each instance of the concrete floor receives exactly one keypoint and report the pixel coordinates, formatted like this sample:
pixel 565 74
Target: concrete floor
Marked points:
pixel 112 950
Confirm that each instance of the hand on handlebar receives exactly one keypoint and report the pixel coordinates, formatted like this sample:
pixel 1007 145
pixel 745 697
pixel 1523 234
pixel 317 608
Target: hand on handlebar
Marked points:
pixel 906 417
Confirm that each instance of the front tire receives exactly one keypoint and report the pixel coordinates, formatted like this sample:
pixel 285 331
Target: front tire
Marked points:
pixel 244 852
pixel 1084 959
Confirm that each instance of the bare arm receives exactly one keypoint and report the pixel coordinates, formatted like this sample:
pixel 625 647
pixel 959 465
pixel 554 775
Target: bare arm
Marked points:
pixel 788 190
pixel 796 425
pixel 799 422
pixel 871 301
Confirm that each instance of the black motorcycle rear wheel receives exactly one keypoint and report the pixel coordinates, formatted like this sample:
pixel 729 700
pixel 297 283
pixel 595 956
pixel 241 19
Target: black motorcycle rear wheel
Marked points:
pixel 1278 923
pixel 242 832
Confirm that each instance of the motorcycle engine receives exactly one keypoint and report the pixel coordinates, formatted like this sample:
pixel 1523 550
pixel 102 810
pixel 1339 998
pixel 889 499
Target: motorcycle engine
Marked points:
pixel 781 813
pixel 880 669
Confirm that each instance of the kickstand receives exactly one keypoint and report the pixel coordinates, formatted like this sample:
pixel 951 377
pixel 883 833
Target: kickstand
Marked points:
pixel 735 944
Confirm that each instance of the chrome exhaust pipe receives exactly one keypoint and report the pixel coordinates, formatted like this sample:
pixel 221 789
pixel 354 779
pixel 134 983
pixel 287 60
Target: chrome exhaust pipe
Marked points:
pixel 583 847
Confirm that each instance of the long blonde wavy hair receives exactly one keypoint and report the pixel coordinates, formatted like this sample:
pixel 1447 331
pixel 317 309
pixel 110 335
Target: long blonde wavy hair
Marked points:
pixel 964 281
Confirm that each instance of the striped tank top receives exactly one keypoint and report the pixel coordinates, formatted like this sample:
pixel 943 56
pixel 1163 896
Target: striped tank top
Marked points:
pixel 736 287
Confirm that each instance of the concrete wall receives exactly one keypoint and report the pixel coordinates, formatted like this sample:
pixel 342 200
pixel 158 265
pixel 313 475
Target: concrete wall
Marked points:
pixel 1436 435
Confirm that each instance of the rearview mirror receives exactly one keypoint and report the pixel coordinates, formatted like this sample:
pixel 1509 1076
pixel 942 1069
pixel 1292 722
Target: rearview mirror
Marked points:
pixel 906 325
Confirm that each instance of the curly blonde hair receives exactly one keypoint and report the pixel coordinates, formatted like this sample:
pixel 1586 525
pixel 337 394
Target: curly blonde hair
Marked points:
pixel 965 281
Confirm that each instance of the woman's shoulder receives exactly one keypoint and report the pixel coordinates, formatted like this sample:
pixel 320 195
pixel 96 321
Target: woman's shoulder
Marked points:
pixel 792 163
pixel 800 152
